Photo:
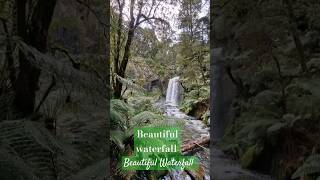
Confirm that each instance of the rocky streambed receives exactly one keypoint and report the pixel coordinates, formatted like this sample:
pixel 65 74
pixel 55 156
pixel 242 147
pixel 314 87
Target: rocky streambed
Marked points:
pixel 196 140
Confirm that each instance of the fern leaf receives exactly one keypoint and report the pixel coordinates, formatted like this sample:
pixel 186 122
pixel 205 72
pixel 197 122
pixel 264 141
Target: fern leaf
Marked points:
pixel 37 148
pixel 12 167
pixel 117 120
pixel 118 137
pixel 145 118
pixel 309 167
pixel 121 107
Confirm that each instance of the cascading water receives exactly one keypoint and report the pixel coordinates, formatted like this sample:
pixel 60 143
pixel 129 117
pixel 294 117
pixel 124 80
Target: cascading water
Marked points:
pixel 173 92
pixel 173 98
pixel 226 168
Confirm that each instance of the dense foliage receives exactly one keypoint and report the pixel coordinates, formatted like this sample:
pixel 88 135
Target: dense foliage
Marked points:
pixel 271 54
pixel 53 86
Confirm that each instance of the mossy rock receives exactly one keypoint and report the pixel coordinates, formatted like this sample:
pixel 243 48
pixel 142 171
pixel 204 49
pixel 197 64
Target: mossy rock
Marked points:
pixel 199 109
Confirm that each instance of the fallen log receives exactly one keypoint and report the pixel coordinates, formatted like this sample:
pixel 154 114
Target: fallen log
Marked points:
pixel 193 144
pixel 189 147
pixel 196 174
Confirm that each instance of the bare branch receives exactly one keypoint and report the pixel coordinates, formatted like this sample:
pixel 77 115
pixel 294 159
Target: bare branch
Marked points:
pixel 139 14
pixel 75 64
pixel 44 97
pixel 145 18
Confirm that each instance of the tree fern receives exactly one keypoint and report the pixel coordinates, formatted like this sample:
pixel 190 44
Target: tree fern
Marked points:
pixel 12 167
pixel 117 121
pixel 33 145
pixel 84 128
pixel 63 70
pixel 142 103
pixel 287 121
pixel 117 137
pixel 255 128
pixel 121 107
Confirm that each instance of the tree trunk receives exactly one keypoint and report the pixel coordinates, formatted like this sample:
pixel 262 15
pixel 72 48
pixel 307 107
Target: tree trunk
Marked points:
pixel 26 84
pixel 117 89
pixel 40 22
pixel 116 85
pixel 121 69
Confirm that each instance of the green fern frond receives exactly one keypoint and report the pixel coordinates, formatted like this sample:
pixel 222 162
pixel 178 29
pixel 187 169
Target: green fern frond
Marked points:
pixel 145 118
pixel 143 103
pixel 275 128
pixel 121 107
pixel 37 148
pixel 63 70
pixel 313 158
pixel 306 170
pixel 118 137
pixel 12 167
pixel 117 120
pixel 255 128
pixel 310 166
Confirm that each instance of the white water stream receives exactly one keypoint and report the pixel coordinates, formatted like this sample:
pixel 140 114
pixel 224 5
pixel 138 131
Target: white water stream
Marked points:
pixel 226 169
pixel 173 96
pixel 173 100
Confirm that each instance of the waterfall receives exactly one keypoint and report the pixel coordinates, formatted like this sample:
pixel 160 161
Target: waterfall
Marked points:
pixel 173 96
pixel 173 99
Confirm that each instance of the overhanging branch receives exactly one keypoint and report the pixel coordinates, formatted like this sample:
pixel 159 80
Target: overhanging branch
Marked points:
pixel 145 18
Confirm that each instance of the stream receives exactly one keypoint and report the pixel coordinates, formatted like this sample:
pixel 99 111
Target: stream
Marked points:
pixel 226 169
pixel 193 129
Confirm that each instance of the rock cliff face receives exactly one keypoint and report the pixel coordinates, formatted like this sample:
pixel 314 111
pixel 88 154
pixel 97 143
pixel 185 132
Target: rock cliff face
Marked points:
pixel 77 29
pixel 268 51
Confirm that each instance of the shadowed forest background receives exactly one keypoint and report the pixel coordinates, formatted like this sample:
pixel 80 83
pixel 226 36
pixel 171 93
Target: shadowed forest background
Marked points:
pixel 53 89
pixel 265 87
